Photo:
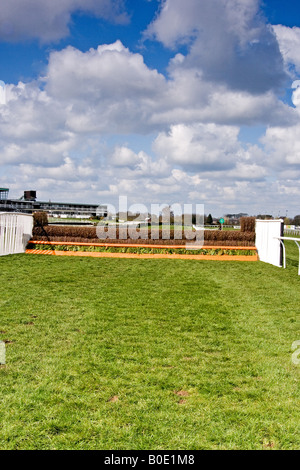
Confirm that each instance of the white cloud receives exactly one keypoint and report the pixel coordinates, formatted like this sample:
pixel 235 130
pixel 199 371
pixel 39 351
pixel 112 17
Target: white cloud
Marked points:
pixel 248 172
pixel 124 157
pixel 205 148
pixel 296 95
pixel 48 20
pixel 107 89
pixel 2 93
pixel 283 144
pixel 98 74
pixel 74 171
pixel 110 89
pixel 289 43
pixel 54 133
pixel 228 41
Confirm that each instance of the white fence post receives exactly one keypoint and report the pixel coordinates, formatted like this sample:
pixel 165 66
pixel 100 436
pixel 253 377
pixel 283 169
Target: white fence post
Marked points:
pixel 267 243
pixel 15 232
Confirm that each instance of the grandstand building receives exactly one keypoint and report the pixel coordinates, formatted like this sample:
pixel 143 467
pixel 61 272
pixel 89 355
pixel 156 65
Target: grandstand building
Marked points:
pixel 28 204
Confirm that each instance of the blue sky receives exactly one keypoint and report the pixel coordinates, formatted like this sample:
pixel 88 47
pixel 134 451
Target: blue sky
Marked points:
pixel 160 101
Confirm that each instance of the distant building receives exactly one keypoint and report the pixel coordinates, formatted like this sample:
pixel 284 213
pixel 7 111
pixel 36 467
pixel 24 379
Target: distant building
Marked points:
pixel 3 193
pixel 236 216
pixel 234 219
pixel 29 204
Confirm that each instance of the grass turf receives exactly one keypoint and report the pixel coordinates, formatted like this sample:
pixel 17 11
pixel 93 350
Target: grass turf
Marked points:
pixel 152 354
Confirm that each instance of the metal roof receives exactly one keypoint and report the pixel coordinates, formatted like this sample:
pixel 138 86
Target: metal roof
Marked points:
pixel 51 203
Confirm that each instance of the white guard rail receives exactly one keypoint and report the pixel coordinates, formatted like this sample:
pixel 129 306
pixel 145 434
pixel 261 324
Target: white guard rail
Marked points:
pixel 15 232
pixel 296 240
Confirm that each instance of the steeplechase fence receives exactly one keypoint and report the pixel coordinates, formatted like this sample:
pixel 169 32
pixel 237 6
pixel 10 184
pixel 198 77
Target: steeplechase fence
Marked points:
pixel 15 232
pixel 142 251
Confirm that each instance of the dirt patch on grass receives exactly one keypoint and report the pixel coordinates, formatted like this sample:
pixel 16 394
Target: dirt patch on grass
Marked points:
pixel 113 399
pixel 181 393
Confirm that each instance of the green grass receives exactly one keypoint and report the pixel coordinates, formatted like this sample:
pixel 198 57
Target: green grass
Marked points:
pixel 148 354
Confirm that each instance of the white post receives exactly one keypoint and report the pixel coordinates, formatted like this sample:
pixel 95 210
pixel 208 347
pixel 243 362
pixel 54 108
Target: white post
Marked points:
pixel 2 353
pixel 299 256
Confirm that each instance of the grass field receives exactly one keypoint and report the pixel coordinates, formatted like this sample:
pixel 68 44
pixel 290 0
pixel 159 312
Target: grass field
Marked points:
pixel 148 354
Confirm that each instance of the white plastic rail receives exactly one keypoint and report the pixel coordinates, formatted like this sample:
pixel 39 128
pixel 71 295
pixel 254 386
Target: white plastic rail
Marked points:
pixel 296 240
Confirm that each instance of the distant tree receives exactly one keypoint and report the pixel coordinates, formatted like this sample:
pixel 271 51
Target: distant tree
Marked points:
pixel 131 216
pixel 209 219
pixel 264 217
pixel 296 220
pixel 167 215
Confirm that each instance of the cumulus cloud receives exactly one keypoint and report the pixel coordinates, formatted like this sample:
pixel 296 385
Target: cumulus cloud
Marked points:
pixel 98 74
pixel 48 20
pixel 289 43
pixel 53 132
pixel 124 157
pixel 111 82
pixel 228 40
pixel 202 146
pixel 102 86
pixel 283 144
pixel 212 151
